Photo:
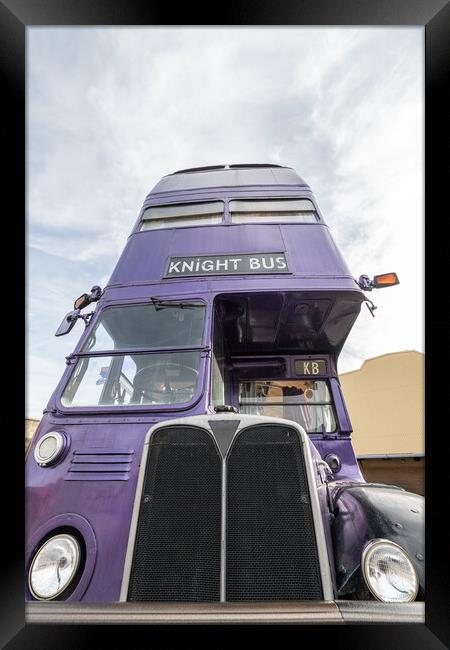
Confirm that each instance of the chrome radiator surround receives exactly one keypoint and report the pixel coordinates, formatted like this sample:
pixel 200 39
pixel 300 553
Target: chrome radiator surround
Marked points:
pixel 237 422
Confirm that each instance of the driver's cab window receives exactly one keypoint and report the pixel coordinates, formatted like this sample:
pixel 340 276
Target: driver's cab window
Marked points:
pixel 122 380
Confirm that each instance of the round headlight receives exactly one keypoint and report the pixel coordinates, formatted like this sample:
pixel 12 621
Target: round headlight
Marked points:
pixel 49 448
pixel 388 572
pixel 54 567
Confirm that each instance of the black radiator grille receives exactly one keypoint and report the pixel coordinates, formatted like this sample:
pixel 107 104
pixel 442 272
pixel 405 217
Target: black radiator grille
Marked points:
pixel 271 547
pixel 271 551
pixel 177 548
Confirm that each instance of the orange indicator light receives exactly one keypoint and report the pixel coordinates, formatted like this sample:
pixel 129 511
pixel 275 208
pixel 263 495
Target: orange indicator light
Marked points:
pixel 385 280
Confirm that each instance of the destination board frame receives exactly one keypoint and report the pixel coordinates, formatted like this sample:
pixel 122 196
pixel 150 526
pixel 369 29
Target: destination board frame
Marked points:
pixel 271 263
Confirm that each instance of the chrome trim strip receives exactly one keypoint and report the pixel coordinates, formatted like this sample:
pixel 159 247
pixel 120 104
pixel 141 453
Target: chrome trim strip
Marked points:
pixel 322 550
pixel 309 612
pixel 317 612
pixel 134 519
pixel 223 540
pixel 370 611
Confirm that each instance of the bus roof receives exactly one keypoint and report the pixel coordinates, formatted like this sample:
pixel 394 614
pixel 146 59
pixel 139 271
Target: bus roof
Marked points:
pixel 230 176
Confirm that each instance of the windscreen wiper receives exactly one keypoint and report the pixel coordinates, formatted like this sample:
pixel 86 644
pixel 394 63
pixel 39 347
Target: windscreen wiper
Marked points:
pixel 158 303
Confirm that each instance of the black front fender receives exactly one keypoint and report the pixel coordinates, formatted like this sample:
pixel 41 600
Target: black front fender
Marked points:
pixel 367 511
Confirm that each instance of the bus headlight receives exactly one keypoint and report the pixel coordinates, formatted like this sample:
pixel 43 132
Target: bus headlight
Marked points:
pixel 388 572
pixel 54 567
pixel 49 448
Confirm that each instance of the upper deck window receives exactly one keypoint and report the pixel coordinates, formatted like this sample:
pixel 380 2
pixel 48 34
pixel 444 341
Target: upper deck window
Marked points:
pixel 273 211
pixel 179 216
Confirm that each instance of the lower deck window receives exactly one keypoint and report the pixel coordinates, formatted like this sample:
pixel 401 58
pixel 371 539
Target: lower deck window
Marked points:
pixel 121 380
pixel 304 401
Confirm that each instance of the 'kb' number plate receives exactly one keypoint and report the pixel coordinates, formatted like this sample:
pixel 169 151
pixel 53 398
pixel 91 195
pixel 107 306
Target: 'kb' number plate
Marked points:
pixel 310 367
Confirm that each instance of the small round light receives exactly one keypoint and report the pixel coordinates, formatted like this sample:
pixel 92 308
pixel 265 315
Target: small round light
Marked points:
pixel 54 567
pixel 334 462
pixel 388 572
pixel 49 448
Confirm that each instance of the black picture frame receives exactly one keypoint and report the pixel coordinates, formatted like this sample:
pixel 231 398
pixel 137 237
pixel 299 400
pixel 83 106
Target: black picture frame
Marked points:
pixel 434 15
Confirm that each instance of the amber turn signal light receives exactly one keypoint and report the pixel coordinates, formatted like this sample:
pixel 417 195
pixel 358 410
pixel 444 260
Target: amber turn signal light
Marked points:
pixel 385 280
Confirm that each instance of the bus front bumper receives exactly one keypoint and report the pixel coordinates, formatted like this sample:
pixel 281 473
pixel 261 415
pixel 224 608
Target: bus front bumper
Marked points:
pixel 306 612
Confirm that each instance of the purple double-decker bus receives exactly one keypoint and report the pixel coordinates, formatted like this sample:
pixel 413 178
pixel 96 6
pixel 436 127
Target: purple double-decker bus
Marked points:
pixel 195 461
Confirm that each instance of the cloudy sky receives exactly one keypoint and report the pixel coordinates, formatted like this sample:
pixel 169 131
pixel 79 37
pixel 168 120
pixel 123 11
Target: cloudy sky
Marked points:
pixel 112 110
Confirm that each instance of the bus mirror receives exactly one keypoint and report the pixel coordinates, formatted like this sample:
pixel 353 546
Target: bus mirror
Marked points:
pixel 68 322
pixel 83 301
pixel 385 280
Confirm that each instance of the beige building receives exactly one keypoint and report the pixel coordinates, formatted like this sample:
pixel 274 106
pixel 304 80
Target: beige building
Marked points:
pixel 385 401
pixel 30 427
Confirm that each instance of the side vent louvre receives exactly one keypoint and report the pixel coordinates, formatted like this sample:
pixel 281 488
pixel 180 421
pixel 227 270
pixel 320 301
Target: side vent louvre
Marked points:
pixel 100 465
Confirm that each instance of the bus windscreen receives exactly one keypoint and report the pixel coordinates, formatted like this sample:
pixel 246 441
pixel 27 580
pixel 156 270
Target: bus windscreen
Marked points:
pixel 159 325
pixel 134 377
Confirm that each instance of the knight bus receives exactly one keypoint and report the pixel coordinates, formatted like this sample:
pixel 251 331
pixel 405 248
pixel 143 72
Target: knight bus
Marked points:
pixel 195 461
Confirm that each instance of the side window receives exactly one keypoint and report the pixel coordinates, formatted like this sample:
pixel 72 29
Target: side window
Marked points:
pixel 306 402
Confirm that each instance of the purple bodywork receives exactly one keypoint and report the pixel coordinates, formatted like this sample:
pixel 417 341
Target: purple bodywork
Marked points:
pixel 98 502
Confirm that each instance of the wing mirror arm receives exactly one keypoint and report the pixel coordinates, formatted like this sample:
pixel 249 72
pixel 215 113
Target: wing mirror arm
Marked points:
pixel 378 282
pixel 80 303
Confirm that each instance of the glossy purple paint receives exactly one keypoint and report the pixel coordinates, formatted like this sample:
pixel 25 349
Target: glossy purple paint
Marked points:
pixel 106 505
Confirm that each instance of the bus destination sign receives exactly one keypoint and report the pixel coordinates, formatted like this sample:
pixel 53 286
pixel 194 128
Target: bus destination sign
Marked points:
pixel 234 264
